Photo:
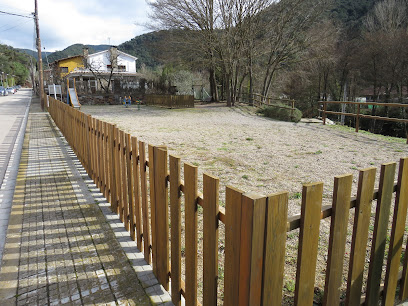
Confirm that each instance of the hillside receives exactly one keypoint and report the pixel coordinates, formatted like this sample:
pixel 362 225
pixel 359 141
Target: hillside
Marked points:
pixel 15 63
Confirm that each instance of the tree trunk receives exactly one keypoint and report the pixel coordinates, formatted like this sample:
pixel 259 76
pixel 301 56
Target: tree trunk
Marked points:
pixel 213 86
pixel 228 89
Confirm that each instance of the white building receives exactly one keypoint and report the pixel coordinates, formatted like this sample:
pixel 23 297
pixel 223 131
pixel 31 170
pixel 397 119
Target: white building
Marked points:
pixel 103 61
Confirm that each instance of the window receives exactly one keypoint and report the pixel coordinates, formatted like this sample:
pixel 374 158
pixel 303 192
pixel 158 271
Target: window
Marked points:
pixel 121 68
pixel 64 69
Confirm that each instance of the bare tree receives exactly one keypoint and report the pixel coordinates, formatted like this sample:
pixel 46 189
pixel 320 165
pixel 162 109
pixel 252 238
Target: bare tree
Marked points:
pixel 104 71
pixel 285 37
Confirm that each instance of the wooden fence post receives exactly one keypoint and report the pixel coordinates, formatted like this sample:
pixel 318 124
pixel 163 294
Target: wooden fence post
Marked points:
pixel 275 241
pixel 397 234
pixel 337 240
pixel 175 214
pixel 324 112
pixel 191 241
pixel 233 208
pixel 145 206
pixel 210 244
pixel 358 118
pixel 162 216
pixel 360 235
pixel 385 193
pixel 308 243
pixel 251 249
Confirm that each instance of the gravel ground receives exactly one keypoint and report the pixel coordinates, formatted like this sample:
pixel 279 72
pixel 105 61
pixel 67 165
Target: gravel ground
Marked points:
pixel 253 153
pixel 261 155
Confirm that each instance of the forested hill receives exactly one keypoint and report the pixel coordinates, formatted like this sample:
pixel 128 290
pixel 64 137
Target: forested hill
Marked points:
pixel 15 63
pixel 146 47
pixel 350 13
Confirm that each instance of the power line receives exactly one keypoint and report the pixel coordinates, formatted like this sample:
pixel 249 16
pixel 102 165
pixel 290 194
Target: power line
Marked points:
pixel 7 13
pixel 13 27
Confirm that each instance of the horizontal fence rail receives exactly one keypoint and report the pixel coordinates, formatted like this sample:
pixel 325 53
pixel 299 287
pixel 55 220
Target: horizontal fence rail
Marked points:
pixel 144 186
pixel 324 112
pixel 170 101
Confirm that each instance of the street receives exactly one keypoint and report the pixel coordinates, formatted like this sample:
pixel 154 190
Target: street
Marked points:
pixel 13 118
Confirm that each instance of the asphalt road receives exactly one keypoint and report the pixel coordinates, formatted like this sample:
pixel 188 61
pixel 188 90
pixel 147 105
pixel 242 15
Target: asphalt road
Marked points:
pixel 13 118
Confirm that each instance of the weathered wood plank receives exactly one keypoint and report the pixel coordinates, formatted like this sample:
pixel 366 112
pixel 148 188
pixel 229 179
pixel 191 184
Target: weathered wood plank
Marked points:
pixel 337 240
pixel 112 151
pixel 130 186
pixel 275 242
pixel 191 194
pixel 233 210
pixel 152 206
pixel 175 215
pixel 308 243
pixel 210 244
pixel 124 181
pixel 397 236
pixel 252 249
pixel 162 218
pixel 145 207
pixel 380 232
pixel 360 235
pixel 136 190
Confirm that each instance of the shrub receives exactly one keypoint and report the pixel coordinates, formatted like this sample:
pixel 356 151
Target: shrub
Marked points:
pixel 283 112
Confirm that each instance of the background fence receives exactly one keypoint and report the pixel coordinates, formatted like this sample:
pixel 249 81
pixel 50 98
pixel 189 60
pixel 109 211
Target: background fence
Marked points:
pixel 171 101
pixel 146 190
pixel 357 111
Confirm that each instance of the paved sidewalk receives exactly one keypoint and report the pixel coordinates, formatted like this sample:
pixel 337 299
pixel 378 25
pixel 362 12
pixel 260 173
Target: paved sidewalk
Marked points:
pixel 60 248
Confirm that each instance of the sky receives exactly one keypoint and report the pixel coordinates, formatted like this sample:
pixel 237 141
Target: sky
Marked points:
pixel 66 22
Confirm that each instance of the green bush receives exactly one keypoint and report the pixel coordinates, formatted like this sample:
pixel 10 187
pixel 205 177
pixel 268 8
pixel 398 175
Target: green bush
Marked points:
pixel 283 112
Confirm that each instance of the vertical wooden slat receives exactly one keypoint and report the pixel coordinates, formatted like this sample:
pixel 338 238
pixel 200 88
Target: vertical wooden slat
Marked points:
pixel 210 244
pixel 252 249
pixel 337 240
pixel 308 243
pixel 385 192
pixel 130 185
pixel 98 153
pixel 124 181
pixel 360 235
pixel 113 168
pixel 107 161
pixel 118 165
pixel 93 174
pixel 274 259
pixel 162 217
pixel 152 206
pixel 397 236
pixel 175 215
pixel 102 155
pixel 396 240
pixel 145 207
pixel 136 190
pixel 191 195
pixel 233 208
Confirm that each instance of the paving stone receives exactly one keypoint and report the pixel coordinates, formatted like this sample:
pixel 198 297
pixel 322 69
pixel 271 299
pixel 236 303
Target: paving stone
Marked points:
pixel 65 243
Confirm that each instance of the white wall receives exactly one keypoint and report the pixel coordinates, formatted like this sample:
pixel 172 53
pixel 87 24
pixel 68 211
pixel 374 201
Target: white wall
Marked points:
pixel 99 61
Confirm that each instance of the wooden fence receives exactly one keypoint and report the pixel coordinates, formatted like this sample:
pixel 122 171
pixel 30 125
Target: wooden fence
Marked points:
pixel 324 112
pixel 136 182
pixel 170 101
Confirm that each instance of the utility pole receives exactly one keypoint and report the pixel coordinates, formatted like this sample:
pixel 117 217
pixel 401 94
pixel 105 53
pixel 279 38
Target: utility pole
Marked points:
pixel 40 70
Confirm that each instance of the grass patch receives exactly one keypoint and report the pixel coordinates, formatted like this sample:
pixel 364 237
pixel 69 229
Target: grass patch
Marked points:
pixel 281 112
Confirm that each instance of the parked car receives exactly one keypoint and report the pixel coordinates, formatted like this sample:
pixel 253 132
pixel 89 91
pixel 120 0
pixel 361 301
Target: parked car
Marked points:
pixel 3 91
pixel 11 90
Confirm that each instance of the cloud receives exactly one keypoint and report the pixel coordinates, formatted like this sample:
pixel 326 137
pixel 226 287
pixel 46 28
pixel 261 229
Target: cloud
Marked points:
pixel 66 22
